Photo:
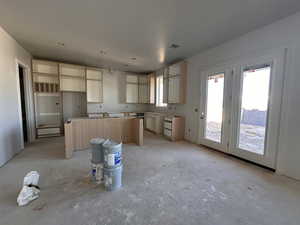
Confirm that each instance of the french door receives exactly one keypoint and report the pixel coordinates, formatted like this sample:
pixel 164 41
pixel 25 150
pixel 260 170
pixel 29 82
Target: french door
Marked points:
pixel 240 109
pixel 215 86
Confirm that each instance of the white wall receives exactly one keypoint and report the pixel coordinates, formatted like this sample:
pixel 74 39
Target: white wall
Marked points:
pixel 114 84
pixel 10 125
pixel 282 34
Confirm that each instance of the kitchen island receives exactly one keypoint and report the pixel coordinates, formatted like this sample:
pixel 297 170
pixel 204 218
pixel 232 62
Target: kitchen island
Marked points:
pixel 79 132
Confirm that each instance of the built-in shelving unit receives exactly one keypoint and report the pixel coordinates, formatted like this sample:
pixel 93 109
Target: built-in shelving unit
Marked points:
pixel 47 96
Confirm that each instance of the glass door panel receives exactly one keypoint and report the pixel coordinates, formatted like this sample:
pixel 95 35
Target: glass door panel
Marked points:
pixel 254 109
pixel 214 107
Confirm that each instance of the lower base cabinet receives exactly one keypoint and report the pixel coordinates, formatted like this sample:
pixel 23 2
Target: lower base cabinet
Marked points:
pixel 174 128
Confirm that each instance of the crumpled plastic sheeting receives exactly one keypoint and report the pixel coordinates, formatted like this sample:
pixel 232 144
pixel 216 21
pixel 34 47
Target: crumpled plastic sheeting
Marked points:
pixel 30 190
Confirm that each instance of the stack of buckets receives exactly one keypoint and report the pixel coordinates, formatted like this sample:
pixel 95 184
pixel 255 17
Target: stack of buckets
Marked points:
pixel 107 163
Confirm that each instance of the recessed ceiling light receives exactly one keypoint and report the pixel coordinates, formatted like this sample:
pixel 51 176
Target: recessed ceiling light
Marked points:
pixel 133 58
pixel 61 44
pixel 174 46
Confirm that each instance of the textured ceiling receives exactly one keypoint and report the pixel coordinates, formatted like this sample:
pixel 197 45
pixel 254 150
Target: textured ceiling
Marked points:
pixel 143 29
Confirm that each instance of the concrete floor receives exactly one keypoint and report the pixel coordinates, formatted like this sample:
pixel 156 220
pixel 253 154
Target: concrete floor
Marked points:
pixel 164 183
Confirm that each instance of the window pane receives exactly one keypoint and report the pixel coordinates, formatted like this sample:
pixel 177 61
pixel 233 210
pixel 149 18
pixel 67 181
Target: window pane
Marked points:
pixel 159 91
pixel 214 111
pixel 254 109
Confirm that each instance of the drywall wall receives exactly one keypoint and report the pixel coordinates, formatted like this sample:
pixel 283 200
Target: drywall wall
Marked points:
pixel 10 126
pixel 281 34
pixel 114 93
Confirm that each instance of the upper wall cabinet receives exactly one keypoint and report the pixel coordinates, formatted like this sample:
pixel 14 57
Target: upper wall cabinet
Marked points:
pixel 45 76
pixel 44 67
pixel 144 91
pixel 94 85
pixel 132 89
pixel 140 89
pixel 152 86
pixel 72 78
pixel 175 78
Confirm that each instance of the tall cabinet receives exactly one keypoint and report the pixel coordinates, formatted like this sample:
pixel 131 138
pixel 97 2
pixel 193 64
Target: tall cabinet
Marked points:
pixel 175 78
pixel 47 96
pixel 94 85
pixel 132 89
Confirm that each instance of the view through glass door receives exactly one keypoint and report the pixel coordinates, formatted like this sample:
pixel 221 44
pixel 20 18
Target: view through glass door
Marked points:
pixel 254 109
pixel 213 128
pixel 240 110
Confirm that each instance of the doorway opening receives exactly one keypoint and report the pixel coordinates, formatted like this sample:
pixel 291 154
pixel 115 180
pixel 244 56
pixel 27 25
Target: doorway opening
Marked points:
pixel 23 102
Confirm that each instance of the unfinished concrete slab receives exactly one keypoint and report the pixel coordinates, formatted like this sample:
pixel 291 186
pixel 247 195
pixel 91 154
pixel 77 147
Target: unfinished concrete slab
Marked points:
pixel 164 183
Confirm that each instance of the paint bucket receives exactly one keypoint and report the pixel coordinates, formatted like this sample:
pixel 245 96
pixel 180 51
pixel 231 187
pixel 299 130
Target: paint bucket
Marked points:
pixel 113 178
pixel 97 173
pixel 112 154
pixel 97 150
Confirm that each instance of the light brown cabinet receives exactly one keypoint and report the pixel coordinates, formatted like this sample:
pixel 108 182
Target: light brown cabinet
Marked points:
pixel 174 128
pixel 47 98
pixel 94 85
pixel 132 89
pixel 154 122
pixel 175 78
pixel 140 89
pixel 72 78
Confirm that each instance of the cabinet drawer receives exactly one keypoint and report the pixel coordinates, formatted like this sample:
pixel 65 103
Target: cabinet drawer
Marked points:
pixel 167 132
pixel 168 125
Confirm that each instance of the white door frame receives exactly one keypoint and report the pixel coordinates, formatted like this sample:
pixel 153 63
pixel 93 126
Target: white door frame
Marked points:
pixel 223 146
pixel 28 101
pixel 277 58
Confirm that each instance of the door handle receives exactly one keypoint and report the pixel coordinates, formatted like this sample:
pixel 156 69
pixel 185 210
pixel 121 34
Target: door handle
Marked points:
pixel 202 116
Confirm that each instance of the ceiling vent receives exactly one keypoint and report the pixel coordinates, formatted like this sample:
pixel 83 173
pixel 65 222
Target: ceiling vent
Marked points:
pixel 174 46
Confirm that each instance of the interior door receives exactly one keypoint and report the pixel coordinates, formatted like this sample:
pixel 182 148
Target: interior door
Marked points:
pixel 215 110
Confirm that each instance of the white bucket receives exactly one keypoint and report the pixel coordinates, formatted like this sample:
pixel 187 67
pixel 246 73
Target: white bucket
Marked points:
pixel 97 173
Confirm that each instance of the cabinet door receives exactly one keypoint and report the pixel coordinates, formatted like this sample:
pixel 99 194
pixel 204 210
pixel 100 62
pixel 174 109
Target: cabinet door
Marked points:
pixel 150 123
pixel 143 79
pixel 132 79
pixel 72 84
pixel 94 74
pixel 143 93
pixel 165 90
pixel 174 90
pixel 152 89
pixel 94 91
pixel 44 67
pixel 132 93
pixel 72 70
pixel 72 77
